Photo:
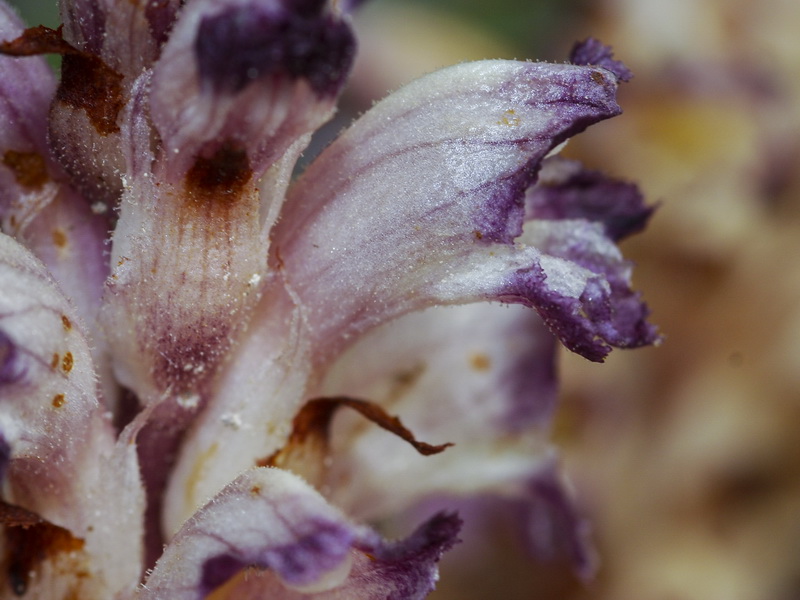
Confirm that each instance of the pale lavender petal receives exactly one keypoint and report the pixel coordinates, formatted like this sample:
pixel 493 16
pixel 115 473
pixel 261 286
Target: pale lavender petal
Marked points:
pixel 420 201
pixel 272 521
pixel 248 77
pixel 250 408
pixel 205 235
pixel 84 24
pixel 126 36
pixel 27 86
pixel 62 462
pixel 554 527
pixel 479 376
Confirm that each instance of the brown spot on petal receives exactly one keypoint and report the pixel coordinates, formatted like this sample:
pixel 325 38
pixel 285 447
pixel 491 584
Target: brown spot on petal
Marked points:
pixel 66 322
pixel 29 168
pixel 30 541
pixel 59 238
pixel 59 400
pixel 67 362
pixel 480 362
pixel 88 83
pixel 597 77
pixel 220 178
pixel 55 360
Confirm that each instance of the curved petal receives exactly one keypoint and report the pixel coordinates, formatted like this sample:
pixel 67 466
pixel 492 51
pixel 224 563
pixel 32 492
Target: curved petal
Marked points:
pixel 480 376
pixel 271 521
pixel 37 207
pixel 61 461
pixel 566 190
pixel 420 201
pixel 27 86
pixel 247 75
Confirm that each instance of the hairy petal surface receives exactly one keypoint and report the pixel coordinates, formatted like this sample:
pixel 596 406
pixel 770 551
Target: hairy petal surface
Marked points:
pixel 295 546
pixel 250 408
pixel 37 205
pixel 27 86
pixel 420 201
pixel 566 190
pixel 61 462
pixel 254 75
pixel 480 376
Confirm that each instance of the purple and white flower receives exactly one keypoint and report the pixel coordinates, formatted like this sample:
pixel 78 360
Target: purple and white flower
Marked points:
pixel 168 389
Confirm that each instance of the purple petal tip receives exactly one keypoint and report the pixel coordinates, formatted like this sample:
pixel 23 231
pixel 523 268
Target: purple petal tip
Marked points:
pixel 248 42
pixel 594 52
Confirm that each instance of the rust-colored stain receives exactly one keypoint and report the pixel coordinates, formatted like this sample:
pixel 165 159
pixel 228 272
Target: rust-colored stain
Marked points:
pixel 30 541
pixel 59 238
pixel 221 177
pixel 597 77
pixel 66 322
pixel 67 362
pixel 480 362
pixel 86 81
pixel 59 400
pixel 54 362
pixel 29 168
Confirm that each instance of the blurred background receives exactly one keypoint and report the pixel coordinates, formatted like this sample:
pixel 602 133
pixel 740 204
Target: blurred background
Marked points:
pixel 685 458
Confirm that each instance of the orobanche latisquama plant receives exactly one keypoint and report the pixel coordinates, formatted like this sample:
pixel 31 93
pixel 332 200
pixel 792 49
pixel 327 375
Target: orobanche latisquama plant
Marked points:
pixel 180 321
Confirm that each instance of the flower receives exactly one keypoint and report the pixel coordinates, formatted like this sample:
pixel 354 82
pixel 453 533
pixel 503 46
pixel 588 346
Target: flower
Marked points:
pixel 168 388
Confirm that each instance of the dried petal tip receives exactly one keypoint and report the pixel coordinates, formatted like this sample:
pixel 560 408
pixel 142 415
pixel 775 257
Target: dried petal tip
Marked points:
pixel 594 52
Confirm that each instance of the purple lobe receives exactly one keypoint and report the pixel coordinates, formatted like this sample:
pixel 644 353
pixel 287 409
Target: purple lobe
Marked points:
pixel 590 325
pixel 554 528
pixel 594 52
pixel 301 562
pixel 245 43
pixel 590 195
pixel 407 564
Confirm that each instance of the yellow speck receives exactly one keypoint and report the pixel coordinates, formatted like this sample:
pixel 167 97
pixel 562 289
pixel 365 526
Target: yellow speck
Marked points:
pixel 480 362
pixel 509 119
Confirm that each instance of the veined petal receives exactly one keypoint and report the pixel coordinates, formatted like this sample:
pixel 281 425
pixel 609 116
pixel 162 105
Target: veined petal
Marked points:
pixel 61 462
pixel 480 376
pixel 125 35
pixel 254 75
pixel 294 545
pixel 204 233
pixel 50 413
pixel 250 408
pixel 37 206
pixel 420 201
